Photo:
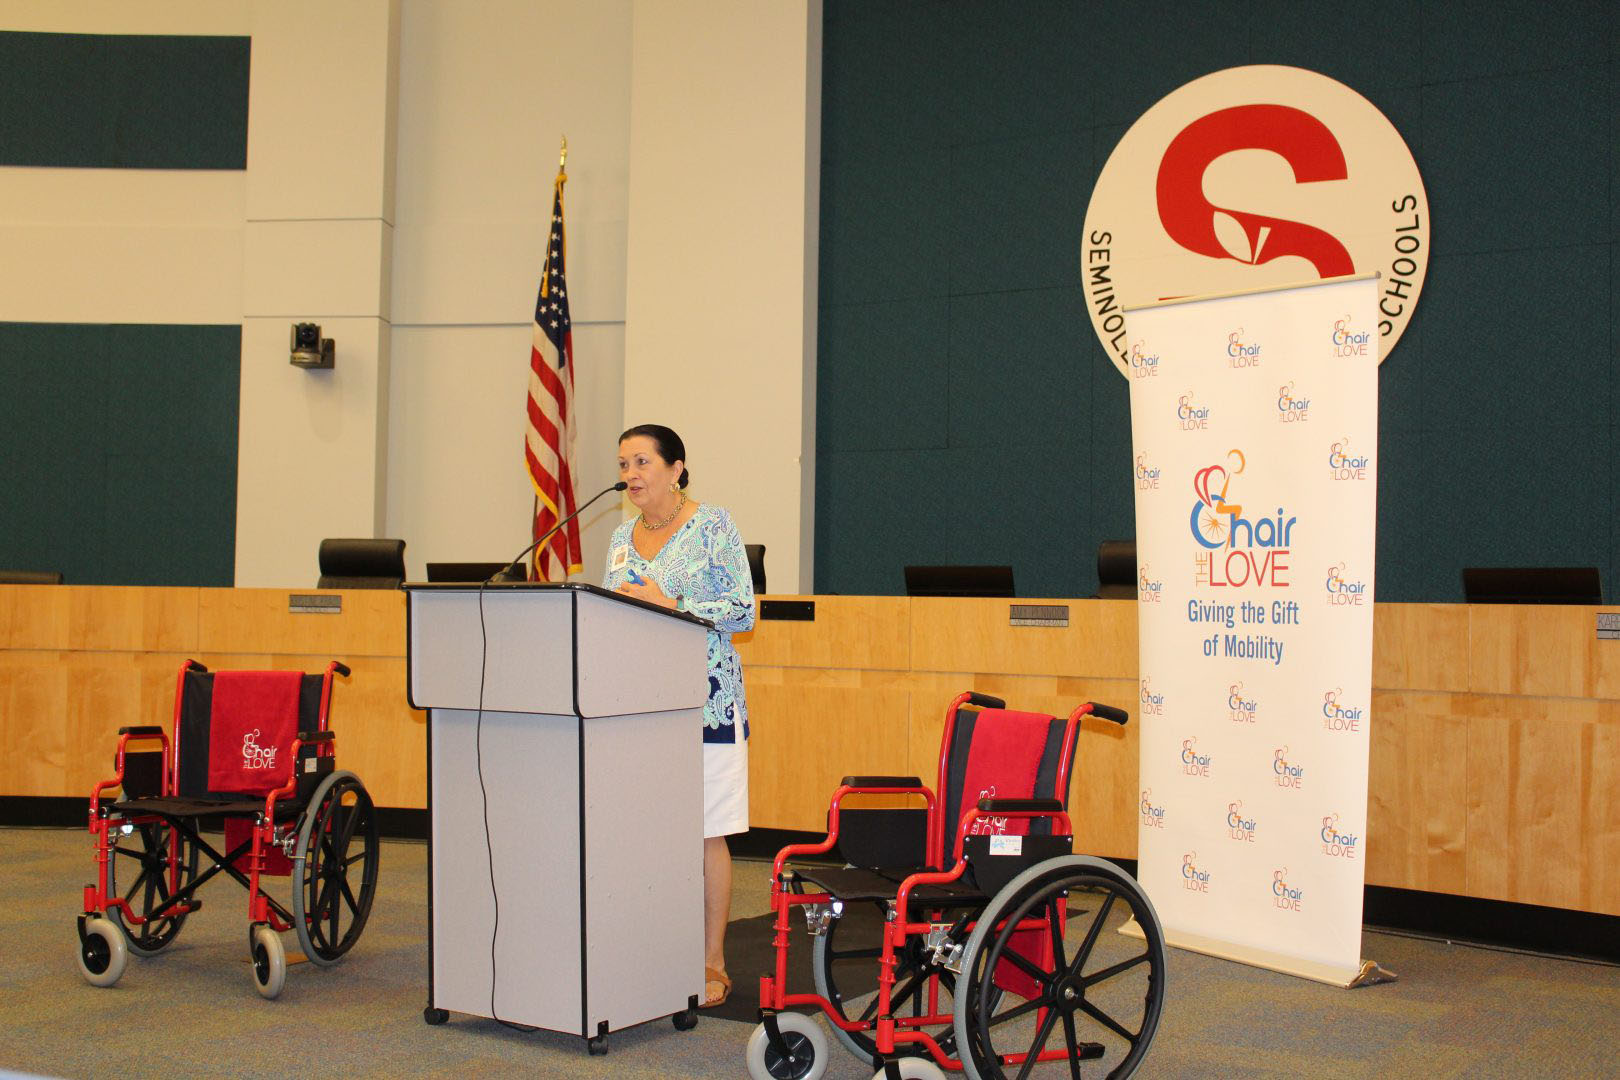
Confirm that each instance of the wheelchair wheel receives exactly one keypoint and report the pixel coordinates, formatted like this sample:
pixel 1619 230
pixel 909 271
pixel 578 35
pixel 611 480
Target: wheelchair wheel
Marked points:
pixel 806 1058
pixel 147 866
pixel 334 868
pixel 103 951
pixel 844 964
pixel 1100 996
pixel 269 961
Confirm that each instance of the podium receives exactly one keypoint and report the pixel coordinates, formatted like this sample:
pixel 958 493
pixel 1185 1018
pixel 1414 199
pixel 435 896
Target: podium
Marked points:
pixel 565 777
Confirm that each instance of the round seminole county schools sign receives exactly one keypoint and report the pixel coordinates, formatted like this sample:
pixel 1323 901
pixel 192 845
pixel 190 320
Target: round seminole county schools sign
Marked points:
pixel 1252 178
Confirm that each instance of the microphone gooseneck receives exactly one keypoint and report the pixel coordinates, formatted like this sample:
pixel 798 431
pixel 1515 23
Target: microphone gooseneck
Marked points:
pixel 512 572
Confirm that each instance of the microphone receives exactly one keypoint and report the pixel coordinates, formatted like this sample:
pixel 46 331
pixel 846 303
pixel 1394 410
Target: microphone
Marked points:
pixel 512 571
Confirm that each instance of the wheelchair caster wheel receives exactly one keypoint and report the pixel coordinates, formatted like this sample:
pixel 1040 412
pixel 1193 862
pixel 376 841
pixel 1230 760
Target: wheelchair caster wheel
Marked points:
pixel 103 950
pixel 433 1016
pixel 597 1045
pixel 269 961
pixel 799 1054
pixel 910 1068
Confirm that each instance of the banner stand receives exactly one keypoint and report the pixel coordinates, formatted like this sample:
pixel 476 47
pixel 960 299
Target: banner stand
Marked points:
pixel 1254 428
pixel 1371 973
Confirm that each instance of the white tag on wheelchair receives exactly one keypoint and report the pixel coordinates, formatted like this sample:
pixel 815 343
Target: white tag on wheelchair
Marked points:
pixel 621 557
pixel 309 764
pixel 1006 845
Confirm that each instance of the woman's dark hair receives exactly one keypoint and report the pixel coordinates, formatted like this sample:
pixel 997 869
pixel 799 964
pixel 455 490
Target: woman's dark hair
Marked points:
pixel 669 445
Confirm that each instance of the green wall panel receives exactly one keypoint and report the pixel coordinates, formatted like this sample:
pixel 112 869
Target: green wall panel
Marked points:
pixel 967 414
pixel 123 101
pixel 118 448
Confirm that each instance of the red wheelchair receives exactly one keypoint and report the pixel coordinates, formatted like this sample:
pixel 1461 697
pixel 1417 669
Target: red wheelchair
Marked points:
pixel 998 952
pixel 250 751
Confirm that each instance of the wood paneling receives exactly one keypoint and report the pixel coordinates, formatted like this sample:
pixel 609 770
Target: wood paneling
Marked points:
pixel 1417 822
pixel 972 634
pixel 1495 757
pixel 1420 647
pixel 1535 651
pixel 791 775
pixel 872 633
pixel 372 623
pixel 98 618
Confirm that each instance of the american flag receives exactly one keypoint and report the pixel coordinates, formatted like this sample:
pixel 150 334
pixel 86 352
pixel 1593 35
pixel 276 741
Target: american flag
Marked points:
pixel 549 445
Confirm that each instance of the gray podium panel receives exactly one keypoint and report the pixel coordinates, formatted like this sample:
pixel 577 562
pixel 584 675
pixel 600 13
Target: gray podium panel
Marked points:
pixel 577 788
pixel 643 865
pixel 531 772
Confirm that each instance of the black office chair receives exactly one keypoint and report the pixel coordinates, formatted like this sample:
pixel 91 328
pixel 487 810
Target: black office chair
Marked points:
pixel 756 565
pixel 362 564
pixel 1116 570
pixel 30 577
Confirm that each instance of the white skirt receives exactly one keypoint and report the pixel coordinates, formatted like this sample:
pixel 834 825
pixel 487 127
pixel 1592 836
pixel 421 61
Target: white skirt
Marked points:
pixel 725 788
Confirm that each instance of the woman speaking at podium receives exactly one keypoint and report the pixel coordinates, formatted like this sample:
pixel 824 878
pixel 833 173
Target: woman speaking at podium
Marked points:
pixel 688 556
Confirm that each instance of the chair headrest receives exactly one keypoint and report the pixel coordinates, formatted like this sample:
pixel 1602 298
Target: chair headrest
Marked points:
pixel 381 559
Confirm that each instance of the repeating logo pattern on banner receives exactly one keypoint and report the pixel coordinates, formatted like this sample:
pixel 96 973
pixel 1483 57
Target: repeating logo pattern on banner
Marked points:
pixel 1255 589
pixel 1263 176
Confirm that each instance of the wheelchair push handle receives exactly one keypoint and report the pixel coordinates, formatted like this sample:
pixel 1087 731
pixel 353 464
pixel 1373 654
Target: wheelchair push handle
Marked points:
pixel 1108 712
pixel 881 782
pixel 985 701
pixel 340 667
pixel 1020 806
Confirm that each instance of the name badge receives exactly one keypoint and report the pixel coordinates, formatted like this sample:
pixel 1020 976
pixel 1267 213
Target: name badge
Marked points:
pixel 621 557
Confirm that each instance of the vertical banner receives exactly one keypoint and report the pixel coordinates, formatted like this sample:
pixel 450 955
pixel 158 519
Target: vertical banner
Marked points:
pixel 1254 419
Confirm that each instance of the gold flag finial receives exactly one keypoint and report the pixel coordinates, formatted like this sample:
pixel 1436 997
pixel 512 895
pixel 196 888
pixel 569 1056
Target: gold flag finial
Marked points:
pixel 562 158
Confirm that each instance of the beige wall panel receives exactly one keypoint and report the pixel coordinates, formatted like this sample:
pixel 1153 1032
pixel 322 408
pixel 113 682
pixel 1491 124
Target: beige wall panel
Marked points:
pixel 1417 832
pixel 257 621
pixel 1420 647
pixel 848 632
pixel 970 634
pixel 805 739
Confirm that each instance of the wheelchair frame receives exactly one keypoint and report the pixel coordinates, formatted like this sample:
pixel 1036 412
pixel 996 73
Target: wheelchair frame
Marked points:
pixel 312 799
pixel 948 940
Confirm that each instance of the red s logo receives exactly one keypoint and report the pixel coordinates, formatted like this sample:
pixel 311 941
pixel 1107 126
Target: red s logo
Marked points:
pixel 1298 137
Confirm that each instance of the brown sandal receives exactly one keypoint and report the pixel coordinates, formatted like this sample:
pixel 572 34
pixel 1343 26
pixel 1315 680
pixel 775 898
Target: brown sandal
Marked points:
pixel 710 975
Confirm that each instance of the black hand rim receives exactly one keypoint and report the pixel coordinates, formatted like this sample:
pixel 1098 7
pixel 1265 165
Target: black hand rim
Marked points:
pixel 148 847
pixel 911 973
pixel 328 894
pixel 1044 892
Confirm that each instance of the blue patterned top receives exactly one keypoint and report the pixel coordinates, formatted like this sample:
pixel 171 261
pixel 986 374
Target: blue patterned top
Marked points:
pixel 704 562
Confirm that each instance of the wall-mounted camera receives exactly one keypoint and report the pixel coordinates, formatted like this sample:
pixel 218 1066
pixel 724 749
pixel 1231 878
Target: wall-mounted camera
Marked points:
pixel 309 349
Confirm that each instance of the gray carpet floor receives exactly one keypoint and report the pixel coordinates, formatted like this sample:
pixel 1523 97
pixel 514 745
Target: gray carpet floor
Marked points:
pixel 192 1012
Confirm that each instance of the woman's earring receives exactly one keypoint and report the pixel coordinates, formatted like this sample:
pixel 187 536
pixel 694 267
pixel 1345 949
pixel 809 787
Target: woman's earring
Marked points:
pixel 674 487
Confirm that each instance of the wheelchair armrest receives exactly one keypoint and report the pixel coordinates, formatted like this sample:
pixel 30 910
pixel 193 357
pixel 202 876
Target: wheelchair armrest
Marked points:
pixel 307 737
pixel 881 782
pixel 1108 712
pixel 1020 806
pixel 141 729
